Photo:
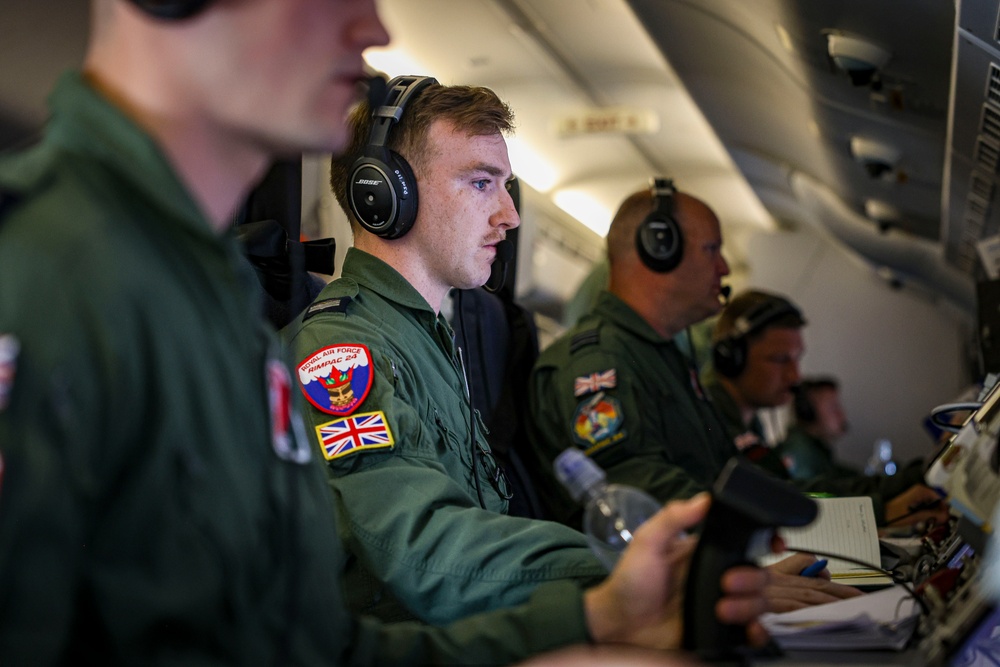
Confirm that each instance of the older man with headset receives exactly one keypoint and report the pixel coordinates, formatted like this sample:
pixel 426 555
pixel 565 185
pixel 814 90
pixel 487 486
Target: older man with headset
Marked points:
pixel 618 387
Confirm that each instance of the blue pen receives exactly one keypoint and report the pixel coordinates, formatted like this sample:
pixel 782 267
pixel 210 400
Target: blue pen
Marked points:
pixel 814 569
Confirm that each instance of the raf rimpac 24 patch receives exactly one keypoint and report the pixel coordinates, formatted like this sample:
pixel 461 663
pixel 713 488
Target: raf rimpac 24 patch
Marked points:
pixel 598 422
pixel 337 378
pixel 350 435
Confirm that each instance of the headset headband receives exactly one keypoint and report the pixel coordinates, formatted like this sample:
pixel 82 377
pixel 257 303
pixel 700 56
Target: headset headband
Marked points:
pixel 398 92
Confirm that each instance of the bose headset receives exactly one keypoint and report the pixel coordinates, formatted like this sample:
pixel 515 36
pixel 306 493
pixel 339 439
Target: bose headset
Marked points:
pixel 658 238
pixel 382 190
pixel 729 354
pixel 171 10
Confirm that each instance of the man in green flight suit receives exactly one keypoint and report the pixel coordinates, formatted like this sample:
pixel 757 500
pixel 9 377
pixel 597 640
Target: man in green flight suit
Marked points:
pixel 621 361
pixel 440 545
pixel 617 386
pixel 819 421
pixel 756 347
pixel 159 500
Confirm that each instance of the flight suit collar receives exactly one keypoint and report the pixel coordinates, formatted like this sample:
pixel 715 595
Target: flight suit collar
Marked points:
pixel 611 307
pixel 369 271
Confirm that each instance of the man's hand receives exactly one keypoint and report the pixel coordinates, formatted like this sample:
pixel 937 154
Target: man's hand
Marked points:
pixel 641 602
pixel 605 656
pixel 918 503
pixel 787 591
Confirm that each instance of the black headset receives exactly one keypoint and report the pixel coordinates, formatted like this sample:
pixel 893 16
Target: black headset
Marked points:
pixel 658 238
pixel 805 413
pixel 171 10
pixel 382 190
pixel 729 354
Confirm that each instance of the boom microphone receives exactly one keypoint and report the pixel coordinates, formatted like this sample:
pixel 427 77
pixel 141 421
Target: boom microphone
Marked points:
pixel 505 253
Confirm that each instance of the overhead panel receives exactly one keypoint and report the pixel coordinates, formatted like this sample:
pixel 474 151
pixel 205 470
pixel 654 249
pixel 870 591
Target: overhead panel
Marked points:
pixel 970 207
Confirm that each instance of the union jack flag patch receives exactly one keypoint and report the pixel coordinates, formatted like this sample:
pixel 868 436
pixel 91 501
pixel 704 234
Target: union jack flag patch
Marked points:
pixel 349 435
pixel 588 384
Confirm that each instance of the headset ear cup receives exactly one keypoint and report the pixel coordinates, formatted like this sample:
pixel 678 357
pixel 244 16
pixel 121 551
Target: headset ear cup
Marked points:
pixel 382 190
pixel 171 10
pixel 729 357
pixel 406 193
pixel 660 243
pixel 383 195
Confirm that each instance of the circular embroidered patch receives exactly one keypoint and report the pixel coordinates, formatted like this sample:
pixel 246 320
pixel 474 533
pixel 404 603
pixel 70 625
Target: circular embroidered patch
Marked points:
pixel 336 379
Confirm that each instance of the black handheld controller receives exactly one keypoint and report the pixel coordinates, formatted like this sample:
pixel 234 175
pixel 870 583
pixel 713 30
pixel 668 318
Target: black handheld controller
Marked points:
pixel 747 505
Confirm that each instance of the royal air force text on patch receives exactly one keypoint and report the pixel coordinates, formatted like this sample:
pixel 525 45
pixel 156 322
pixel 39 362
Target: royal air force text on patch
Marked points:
pixel 336 379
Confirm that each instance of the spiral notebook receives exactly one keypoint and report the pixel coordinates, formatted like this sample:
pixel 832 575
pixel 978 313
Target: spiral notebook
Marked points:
pixel 843 526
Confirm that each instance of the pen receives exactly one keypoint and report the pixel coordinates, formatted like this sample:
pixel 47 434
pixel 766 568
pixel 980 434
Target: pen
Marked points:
pixel 814 569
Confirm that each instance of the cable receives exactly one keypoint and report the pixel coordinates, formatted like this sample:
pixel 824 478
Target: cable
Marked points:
pixel 947 409
pixel 916 509
pixel 897 579
pixel 505 252
pixel 468 396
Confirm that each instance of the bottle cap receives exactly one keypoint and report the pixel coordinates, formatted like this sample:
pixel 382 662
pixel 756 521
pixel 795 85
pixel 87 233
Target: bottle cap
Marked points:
pixel 577 472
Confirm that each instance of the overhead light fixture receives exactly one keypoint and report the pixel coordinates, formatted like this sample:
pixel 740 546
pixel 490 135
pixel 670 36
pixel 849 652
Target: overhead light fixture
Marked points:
pixel 393 62
pixel 784 37
pixel 582 206
pixel 878 158
pixel 858 57
pixel 882 213
pixel 530 166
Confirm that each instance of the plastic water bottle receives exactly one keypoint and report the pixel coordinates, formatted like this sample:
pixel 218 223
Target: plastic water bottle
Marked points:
pixel 880 462
pixel 612 512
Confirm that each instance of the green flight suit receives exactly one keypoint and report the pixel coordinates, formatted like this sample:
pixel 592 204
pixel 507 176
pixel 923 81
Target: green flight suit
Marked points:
pixel 615 388
pixel 159 502
pixel 407 498
pixel 807 456
pixel 748 438
pixel 879 489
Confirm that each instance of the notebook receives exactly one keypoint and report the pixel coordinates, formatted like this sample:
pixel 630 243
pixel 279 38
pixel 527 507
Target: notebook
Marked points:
pixel 844 527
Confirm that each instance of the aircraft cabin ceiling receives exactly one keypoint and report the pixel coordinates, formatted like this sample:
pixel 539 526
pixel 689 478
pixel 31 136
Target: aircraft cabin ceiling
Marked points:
pixel 748 105
pixel 740 101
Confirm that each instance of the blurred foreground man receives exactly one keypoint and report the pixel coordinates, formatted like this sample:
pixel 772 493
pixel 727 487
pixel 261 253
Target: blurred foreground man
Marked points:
pixel 159 501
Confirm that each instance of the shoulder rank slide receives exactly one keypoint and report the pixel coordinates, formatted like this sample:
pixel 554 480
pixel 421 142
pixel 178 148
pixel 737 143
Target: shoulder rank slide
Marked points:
pixel 335 305
pixel 583 339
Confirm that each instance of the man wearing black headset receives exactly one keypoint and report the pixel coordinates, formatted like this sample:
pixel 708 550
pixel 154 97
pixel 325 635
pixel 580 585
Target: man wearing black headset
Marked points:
pixel 617 386
pixel 159 500
pixel 757 345
pixel 422 500
pixel 819 421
